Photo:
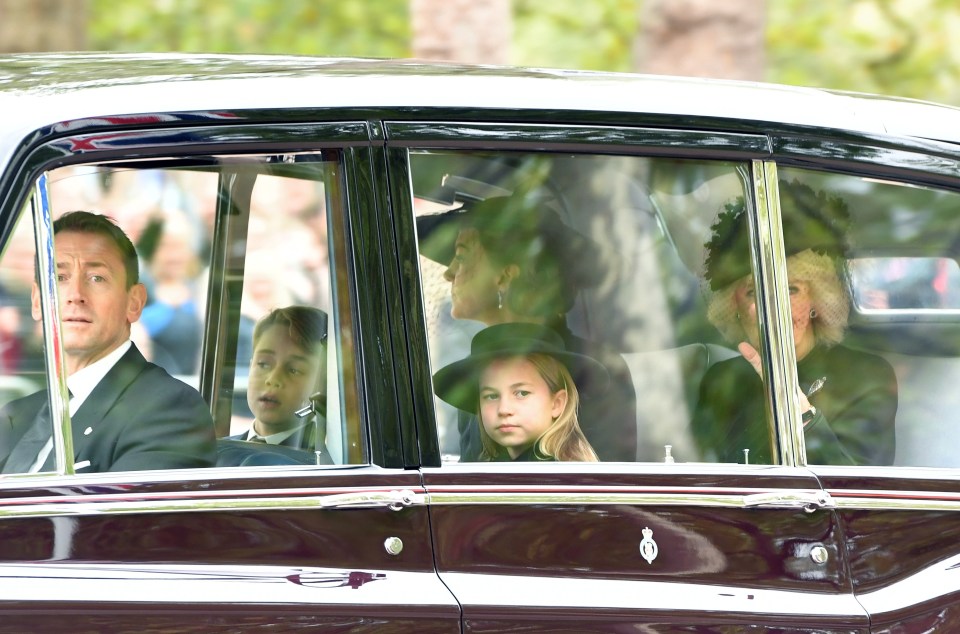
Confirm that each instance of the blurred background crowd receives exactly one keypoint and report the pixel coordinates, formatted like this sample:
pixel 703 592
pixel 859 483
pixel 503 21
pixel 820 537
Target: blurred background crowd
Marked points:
pixel 168 215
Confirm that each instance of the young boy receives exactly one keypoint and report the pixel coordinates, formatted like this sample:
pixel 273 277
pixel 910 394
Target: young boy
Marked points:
pixel 288 373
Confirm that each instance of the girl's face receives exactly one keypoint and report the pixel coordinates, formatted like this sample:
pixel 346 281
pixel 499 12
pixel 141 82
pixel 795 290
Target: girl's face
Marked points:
pixel 473 280
pixel 516 406
pixel 801 302
pixel 282 377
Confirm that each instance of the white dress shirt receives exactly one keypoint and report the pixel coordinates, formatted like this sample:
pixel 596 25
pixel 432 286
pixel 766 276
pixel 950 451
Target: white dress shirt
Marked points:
pixel 81 383
pixel 273 439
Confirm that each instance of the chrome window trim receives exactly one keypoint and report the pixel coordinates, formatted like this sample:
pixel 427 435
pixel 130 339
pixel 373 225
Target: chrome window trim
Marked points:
pixel 54 370
pixel 620 139
pixel 774 312
pixel 902 158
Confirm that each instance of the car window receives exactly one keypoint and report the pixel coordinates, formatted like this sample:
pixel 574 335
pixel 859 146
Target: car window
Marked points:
pixel 22 362
pixel 882 375
pixel 623 258
pixel 239 307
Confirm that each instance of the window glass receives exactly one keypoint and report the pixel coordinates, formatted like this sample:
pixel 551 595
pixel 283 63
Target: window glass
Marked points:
pixel 233 314
pixel 287 265
pixel 22 365
pixel 877 296
pixel 905 283
pixel 607 267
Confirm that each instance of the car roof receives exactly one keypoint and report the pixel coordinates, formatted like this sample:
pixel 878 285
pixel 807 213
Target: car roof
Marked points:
pixel 40 90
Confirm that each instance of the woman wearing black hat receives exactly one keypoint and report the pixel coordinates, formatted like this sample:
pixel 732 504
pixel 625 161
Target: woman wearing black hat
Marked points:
pixel 512 261
pixel 848 398
pixel 521 382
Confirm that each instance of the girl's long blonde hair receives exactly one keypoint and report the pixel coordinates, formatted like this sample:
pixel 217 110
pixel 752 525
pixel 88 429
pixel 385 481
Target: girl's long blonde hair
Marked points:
pixel 563 440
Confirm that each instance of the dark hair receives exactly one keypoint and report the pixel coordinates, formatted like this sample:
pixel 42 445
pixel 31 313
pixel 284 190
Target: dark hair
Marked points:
pixel 544 287
pixel 89 222
pixel 306 326
pixel 555 260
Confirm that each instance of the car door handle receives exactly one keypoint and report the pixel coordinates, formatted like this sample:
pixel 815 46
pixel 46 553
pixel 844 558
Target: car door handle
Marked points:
pixel 809 501
pixel 394 500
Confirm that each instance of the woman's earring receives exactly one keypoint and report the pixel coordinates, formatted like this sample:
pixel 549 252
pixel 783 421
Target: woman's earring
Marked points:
pixel 499 299
pixel 738 316
pixel 813 313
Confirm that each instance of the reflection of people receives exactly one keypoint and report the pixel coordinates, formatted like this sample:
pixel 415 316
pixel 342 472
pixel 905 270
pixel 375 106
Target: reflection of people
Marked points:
pixel 848 398
pixel 510 261
pixel 522 383
pixel 127 414
pixel 173 318
pixel 287 373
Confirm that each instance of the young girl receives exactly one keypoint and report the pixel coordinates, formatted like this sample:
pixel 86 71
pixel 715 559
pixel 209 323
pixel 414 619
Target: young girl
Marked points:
pixel 519 380
pixel 287 370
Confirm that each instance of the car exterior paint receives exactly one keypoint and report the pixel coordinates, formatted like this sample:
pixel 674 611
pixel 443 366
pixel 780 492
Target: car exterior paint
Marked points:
pixel 404 541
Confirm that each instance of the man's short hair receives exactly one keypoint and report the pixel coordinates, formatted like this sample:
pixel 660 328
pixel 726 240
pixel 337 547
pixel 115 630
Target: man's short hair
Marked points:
pixel 89 222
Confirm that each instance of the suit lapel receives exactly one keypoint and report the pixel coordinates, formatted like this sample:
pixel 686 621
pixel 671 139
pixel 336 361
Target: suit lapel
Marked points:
pixel 93 415
pixel 25 452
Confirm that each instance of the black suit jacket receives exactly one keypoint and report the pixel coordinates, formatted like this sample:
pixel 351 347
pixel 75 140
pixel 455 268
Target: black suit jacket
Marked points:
pixel 137 418
pixel 857 405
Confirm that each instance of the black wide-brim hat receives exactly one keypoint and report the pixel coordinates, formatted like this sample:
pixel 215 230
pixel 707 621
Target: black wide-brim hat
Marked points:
pixel 525 229
pixel 811 220
pixel 459 382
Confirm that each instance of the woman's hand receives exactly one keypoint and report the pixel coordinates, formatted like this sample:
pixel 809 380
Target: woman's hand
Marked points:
pixel 750 354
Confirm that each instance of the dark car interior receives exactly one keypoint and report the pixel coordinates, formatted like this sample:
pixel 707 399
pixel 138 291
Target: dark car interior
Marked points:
pixel 650 219
pixel 653 217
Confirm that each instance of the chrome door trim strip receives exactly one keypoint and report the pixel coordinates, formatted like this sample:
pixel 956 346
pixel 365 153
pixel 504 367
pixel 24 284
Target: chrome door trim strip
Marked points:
pixel 853 499
pixel 807 499
pixel 212 501
pixel 397 498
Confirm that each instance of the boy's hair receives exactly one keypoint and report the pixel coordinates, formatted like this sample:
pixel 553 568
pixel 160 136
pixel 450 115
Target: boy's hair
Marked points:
pixel 89 222
pixel 306 326
pixel 564 439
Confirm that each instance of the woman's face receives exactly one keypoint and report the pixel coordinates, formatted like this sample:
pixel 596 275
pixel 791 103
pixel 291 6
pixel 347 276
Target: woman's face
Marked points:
pixel 282 377
pixel 801 303
pixel 516 406
pixel 473 280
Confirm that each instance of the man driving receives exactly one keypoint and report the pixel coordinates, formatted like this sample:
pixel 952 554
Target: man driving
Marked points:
pixel 127 413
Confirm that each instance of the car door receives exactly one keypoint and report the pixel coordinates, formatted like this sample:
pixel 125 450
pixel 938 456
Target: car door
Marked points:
pixel 231 221
pixel 658 535
pixel 899 513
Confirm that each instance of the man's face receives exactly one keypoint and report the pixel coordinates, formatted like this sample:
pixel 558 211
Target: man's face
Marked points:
pixel 96 308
